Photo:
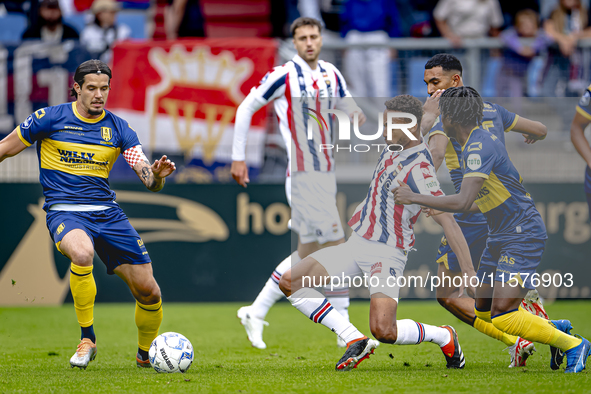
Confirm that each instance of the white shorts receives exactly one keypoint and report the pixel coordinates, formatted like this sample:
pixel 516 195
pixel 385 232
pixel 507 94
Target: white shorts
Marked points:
pixel 314 214
pixel 370 259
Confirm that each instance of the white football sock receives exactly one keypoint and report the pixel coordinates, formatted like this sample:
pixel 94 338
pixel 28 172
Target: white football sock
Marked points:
pixel 317 308
pixel 271 293
pixel 339 298
pixel 411 332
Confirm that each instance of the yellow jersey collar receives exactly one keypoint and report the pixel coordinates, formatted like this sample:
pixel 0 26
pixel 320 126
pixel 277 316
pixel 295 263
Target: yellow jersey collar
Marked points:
pixel 468 139
pixel 82 118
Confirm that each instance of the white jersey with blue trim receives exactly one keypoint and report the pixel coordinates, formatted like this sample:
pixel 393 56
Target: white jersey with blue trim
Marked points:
pixel 298 94
pixel 378 218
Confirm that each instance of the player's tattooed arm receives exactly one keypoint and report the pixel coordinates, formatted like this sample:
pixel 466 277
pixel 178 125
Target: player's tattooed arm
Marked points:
pixel 153 175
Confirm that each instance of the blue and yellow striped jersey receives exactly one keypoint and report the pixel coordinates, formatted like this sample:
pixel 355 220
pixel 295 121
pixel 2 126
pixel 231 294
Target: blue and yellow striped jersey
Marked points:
pixel 496 120
pixel 75 153
pixel 507 206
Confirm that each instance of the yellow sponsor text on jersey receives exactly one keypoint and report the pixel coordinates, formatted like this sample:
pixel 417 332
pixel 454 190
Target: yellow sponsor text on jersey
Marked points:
pixel 507 260
pixel 492 194
pixel 78 159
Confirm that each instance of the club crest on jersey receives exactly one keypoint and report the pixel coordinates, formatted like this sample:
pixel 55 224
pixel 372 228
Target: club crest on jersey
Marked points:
pixel 106 133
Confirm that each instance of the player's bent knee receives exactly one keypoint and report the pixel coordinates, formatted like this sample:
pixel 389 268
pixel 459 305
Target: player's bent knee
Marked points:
pixel 285 283
pixel 148 294
pixel 82 256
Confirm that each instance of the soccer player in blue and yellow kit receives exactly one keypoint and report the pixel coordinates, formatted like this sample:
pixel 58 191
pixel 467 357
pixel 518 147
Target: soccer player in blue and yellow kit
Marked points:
pixel 577 135
pixel 517 235
pixel 77 145
pixel 444 71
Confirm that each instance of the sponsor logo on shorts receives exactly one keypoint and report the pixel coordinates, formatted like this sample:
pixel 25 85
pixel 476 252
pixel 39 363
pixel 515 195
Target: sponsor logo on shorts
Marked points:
pixel 318 232
pixel 335 228
pixel 392 272
pixel 376 269
pixel 140 242
pixel 507 260
pixel 60 228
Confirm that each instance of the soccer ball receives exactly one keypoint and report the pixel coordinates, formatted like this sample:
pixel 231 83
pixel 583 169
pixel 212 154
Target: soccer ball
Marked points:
pixel 171 352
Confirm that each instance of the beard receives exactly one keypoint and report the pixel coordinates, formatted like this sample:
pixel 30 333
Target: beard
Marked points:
pixel 94 112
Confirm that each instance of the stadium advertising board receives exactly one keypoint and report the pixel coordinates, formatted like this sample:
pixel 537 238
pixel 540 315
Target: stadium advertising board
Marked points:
pixel 221 243
pixel 181 98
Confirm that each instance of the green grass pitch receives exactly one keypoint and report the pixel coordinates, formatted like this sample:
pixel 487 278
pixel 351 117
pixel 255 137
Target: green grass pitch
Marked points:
pixel 36 344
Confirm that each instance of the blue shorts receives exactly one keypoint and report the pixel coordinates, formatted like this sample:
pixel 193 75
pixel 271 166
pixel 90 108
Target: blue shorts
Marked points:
pixel 508 259
pixel 475 235
pixel 115 241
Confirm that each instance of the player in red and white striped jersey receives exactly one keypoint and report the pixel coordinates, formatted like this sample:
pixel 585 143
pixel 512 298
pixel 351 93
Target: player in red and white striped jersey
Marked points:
pixel 378 249
pixel 300 89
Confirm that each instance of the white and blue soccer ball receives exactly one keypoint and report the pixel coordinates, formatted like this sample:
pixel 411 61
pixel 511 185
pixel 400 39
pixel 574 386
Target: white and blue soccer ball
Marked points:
pixel 171 352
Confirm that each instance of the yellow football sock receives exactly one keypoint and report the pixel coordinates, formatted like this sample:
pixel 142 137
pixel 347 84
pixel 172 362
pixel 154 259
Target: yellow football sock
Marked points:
pixel 483 324
pixel 147 320
pixel 83 289
pixel 535 329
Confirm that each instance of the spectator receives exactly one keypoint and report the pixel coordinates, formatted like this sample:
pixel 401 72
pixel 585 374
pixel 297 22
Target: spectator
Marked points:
pixel 459 19
pixel 184 18
pixel 102 33
pixel 369 22
pixel 49 27
pixel 563 73
pixel 517 57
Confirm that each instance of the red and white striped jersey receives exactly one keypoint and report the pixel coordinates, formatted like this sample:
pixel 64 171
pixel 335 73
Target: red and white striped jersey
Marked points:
pixel 298 92
pixel 378 218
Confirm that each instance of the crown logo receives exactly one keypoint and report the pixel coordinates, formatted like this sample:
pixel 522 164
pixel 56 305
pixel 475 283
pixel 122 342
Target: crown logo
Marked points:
pixel 198 123
pixel 200 68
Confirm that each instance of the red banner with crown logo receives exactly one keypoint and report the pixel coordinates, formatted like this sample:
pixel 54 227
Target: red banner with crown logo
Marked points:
pixel 181 98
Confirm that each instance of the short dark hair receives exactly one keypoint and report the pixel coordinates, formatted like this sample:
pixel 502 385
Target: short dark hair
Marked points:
pixel 406 103
pixel 305 21
pixel 93 66
pixel 446 61
pixel 462 105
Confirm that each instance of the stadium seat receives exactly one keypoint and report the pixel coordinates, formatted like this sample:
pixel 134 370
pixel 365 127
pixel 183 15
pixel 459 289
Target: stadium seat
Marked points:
pixel 77 21
pixel 13 26
pixel 416 72
pixel 136 20
pixel 237 29
pixel 489 79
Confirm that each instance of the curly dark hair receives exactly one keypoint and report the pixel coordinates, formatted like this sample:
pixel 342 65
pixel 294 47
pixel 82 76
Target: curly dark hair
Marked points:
pixel 446 61
pixel 406 103
pixel 462 105
pixel 93 66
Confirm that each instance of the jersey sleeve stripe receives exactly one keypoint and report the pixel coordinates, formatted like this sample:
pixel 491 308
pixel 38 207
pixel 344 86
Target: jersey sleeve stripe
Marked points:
pixel 476 175
pixel 436 132
pixel 508 129
pixel 340 86
pixel 20 136
pixel 584 113
pixel 280 82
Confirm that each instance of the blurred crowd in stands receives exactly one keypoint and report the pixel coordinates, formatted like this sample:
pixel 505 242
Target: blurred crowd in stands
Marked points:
pixel 553 28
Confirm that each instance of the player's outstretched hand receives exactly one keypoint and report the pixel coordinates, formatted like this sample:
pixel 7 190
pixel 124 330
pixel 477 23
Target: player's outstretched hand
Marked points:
pixel 163 167
pixel 240 172
pixel 530 139
pixel 360 116
pixel 403 194
pixel 430 211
